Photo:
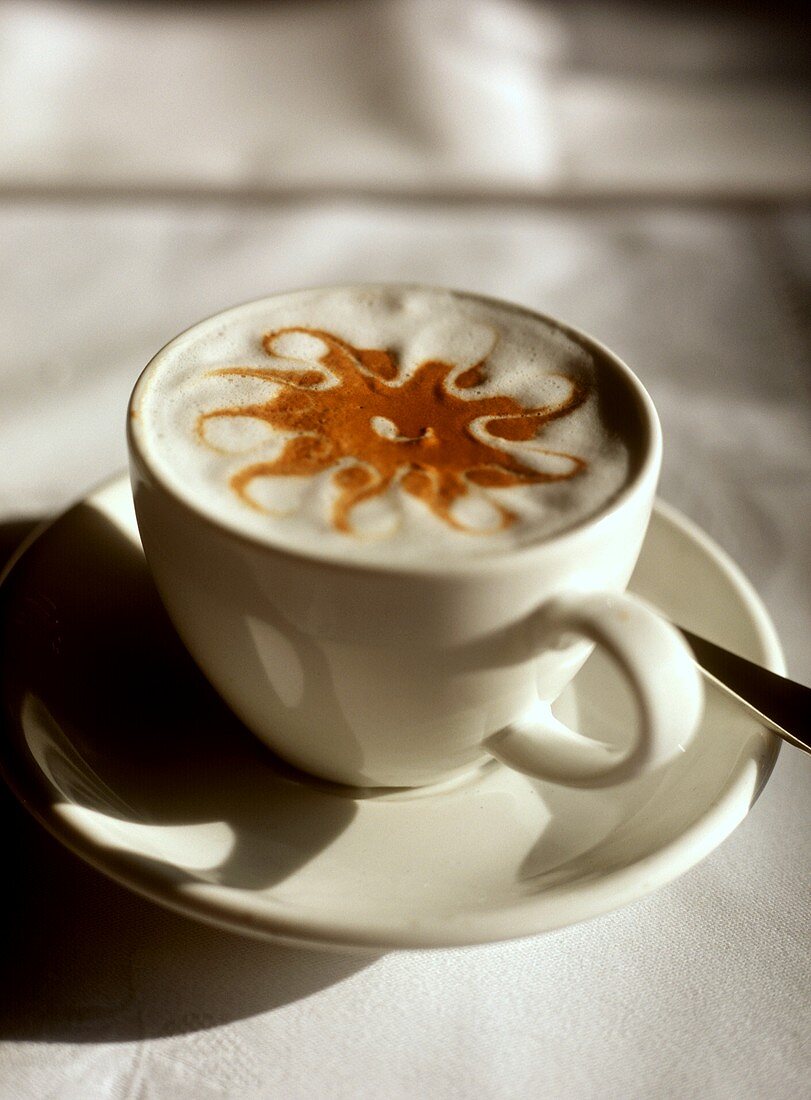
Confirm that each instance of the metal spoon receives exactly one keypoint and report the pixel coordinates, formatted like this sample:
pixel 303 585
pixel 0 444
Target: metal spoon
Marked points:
pixel 781 704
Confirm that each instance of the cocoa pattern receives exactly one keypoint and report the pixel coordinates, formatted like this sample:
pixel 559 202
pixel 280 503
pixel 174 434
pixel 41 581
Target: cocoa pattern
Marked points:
pixel 329 410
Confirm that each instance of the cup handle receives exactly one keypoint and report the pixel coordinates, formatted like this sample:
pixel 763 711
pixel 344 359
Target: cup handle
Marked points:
pixel 658 667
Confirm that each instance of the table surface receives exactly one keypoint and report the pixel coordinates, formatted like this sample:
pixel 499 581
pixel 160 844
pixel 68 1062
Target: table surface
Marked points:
pixel 643 176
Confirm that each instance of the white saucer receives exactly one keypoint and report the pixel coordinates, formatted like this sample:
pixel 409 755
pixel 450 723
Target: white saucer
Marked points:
pixel 117 744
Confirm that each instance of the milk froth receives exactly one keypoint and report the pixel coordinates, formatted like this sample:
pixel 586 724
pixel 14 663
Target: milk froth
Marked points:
pixel 385 423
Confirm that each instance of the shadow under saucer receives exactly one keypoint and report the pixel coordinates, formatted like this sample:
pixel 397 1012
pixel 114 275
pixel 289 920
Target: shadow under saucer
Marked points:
pixel 91 961
pixel 122 724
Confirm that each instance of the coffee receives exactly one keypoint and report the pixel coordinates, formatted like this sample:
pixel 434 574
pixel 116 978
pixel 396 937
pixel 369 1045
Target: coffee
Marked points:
pixel 438 495
pixel 388 423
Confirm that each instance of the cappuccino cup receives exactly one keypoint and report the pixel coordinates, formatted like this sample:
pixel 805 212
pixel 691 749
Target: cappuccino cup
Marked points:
pixel 391 522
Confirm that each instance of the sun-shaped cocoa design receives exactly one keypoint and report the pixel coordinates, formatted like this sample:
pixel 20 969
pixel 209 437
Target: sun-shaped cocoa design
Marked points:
pixel 346 409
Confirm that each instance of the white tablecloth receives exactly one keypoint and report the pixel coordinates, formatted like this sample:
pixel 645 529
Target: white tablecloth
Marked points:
pixel 159 163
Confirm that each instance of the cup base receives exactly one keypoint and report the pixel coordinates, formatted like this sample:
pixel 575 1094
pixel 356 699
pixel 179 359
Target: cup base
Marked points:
pixel 458 779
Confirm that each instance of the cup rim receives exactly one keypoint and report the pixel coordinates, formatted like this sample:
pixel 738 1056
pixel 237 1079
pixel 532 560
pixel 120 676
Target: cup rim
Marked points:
pixel 647 470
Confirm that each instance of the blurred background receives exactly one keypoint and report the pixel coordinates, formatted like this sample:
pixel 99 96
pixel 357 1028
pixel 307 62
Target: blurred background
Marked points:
pixel 641 170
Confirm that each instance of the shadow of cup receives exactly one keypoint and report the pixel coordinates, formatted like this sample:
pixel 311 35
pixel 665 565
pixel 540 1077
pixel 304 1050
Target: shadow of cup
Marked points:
pixel 93 962
pixel 101 692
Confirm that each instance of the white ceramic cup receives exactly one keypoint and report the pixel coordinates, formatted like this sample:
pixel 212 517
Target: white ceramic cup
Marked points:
pixel 402 676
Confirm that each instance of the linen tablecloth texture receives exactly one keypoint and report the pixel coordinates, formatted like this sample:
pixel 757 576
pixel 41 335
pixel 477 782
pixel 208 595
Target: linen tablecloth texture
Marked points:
pixel 638 174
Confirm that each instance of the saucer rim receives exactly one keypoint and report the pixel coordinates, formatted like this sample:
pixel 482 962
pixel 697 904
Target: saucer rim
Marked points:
pixel 612 890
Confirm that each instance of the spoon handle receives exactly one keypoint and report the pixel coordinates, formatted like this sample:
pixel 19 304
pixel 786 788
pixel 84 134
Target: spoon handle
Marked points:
pixel 783 705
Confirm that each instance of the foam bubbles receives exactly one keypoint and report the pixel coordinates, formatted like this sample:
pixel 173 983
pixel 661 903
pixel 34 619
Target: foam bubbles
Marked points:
pixel 518 355
pixel 235 434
